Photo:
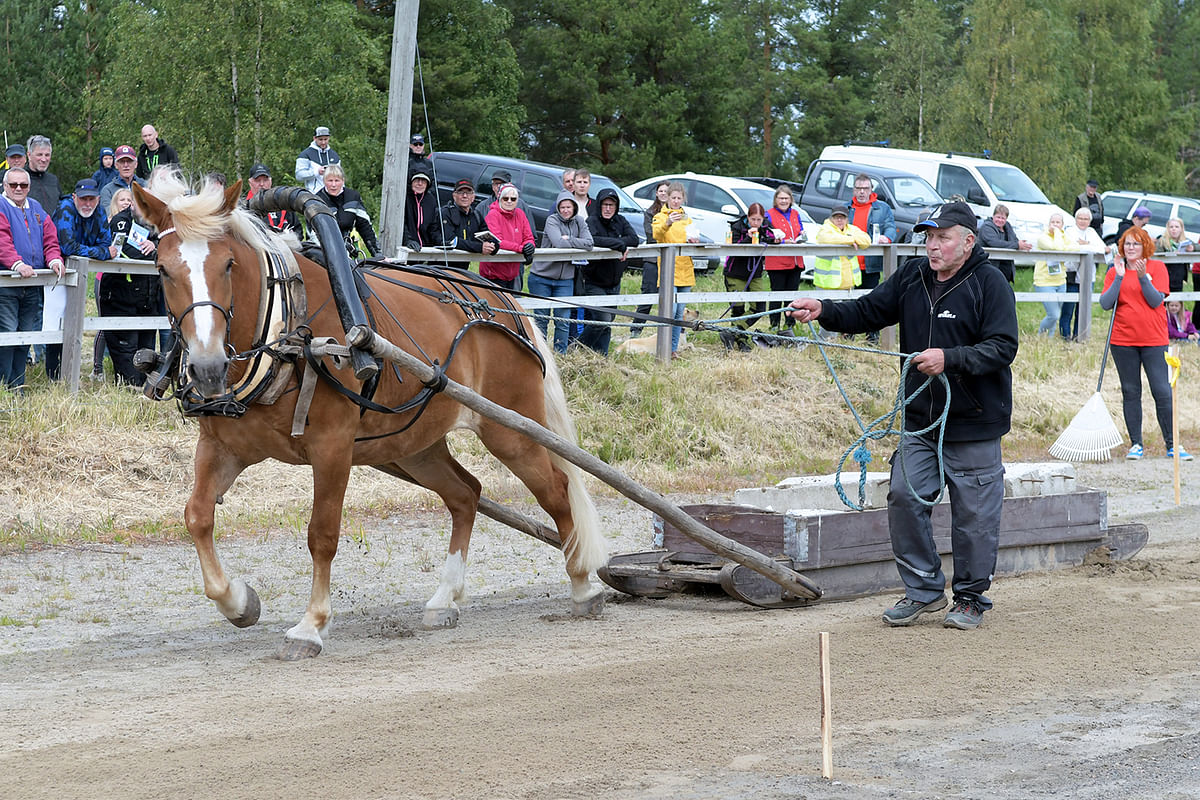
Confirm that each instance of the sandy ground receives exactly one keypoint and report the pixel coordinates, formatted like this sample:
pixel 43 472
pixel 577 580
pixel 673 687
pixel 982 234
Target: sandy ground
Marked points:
pixel 1082 683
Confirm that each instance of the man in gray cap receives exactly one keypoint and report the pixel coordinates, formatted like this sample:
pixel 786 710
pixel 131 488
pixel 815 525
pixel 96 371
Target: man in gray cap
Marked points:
pixel 14 156
pixel 311 163
pixel 958 315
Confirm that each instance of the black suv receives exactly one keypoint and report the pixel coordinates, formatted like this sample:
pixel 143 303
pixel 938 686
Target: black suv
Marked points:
pixel 539 184
pixel 831 183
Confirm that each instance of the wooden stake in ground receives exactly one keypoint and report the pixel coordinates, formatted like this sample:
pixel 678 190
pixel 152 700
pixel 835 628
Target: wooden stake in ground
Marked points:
pixel 1173 365
pixel 826 698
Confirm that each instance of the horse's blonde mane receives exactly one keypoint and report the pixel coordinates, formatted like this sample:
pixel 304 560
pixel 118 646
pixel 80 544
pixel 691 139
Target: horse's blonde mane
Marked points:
pixel 196 214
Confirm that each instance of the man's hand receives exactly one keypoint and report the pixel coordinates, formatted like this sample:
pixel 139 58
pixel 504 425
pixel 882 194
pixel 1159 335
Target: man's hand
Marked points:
pixel 931 361
pixel 804 309
pixel 1024 245
pixel 147 247
pixel 113 252
pixel 489 248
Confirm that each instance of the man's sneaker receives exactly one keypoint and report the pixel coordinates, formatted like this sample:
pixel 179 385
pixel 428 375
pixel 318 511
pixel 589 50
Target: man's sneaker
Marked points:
pixel 906 611
pixel 1135 453
pixel 1184 455
pixel 965 614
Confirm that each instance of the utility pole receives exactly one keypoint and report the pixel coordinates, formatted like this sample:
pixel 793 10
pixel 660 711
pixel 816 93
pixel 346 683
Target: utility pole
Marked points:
pixel 399 123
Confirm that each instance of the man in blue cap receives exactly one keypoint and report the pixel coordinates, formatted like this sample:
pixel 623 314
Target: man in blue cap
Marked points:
pixel 958 314
pixel 14 156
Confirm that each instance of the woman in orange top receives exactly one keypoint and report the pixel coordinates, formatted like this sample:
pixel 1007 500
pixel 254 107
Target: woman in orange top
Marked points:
pixel 1137 285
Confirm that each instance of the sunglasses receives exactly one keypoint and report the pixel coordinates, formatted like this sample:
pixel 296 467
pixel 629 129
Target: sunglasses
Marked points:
pixel 508 199
pixel 17 185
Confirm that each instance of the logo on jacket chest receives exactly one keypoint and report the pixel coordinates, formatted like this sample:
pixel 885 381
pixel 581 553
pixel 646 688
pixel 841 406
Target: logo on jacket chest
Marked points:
pixel 946 313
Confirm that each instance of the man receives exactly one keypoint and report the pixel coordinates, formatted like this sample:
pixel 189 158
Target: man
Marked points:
pixel 1090 199
pixel 28 241
pixel 1141 216
pixel 312 161
pixel 43 184
pixel 125 159
pixel 417 158
pixel 603 276
pixel 460 224
pixel 580 185
pixel 955 309
pixel 568 180
pixel 870 214
pixel 14 156
pixel 997 232
pixel 1085 238
pixel 82 231
pixel 260 181
pixel 154 152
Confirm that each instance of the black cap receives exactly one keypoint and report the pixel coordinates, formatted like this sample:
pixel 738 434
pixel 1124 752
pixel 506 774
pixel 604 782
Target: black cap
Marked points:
pixel 1094 184
pixel 949 215
pixel 259 170
pixel 840 210
pixel 87 188
pixel 501 175
pixel 14 150
pixel 417 139
pixel 464 184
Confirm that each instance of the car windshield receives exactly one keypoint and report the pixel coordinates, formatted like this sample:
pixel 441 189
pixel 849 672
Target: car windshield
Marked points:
pixel 763 195
pixel 1012 186
pixel 913 192
pixel 628 204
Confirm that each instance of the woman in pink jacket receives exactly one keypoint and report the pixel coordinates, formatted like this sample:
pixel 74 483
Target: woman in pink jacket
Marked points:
pixel 510 226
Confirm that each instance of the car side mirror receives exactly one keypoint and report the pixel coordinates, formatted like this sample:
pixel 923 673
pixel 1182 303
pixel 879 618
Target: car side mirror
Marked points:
pixel 975 195
pixel 729 209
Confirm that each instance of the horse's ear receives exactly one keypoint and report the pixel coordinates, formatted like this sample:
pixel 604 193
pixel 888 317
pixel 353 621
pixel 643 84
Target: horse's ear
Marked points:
pixel 232 195
pixel 151 208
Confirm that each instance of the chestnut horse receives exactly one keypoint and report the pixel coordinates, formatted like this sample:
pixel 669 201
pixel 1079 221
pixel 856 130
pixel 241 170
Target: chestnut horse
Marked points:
pixel 208 258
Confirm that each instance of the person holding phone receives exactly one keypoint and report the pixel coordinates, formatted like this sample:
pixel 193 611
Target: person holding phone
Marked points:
pixel 672 226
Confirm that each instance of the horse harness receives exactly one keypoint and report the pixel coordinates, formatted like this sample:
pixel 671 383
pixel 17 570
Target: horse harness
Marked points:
pixel 283 336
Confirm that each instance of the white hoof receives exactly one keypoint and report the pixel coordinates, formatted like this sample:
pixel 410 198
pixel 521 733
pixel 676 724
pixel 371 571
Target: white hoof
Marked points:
pixel 589 607
pixel 437 618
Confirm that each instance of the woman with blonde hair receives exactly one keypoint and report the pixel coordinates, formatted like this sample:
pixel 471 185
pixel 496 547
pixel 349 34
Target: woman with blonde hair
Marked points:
pixel 1174 239
pixel 672 226
pixel 1050 276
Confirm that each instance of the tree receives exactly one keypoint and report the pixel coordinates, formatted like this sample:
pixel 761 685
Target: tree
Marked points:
pixel 910 90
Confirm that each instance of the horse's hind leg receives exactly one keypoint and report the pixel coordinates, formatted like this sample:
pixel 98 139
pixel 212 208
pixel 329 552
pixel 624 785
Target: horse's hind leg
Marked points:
pixel 216 470
pixel 565 501
pixel 436 470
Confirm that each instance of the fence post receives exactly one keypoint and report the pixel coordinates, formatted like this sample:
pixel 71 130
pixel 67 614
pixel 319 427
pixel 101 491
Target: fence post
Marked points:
pixel 887 337
pixel 1086 275
pixel 666 301
pixel 72 324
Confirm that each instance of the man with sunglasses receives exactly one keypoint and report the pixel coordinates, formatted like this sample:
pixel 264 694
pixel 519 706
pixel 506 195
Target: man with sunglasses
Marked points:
pixel 28 241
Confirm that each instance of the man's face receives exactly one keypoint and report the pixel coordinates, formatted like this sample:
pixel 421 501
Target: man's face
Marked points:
pixel 998 219
pixel 1091 191
pixel 16 186
pixel 150 136
pixel 608 209
pixel 39 158
pixel 464 197
pixel 948 249
pixel 322 141
pixel 260 183
pixel 417 148
pixel 568 179
pixel 16 161
pixel 86 205
pixel 496 184
pixel 125 167
pixel 862 191
pixel 582 184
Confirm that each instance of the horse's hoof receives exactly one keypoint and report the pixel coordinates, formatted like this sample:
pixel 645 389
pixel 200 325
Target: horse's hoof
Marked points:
pixel 438 618
pixel 249 615
pixel 297 649
pixel 591 607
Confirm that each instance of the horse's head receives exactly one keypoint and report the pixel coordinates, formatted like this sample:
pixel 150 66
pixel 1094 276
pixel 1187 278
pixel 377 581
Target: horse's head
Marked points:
pixel 195 260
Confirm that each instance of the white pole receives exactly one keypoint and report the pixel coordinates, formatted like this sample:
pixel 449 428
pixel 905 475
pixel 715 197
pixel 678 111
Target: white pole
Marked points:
pixel 399 123
pixel 826 700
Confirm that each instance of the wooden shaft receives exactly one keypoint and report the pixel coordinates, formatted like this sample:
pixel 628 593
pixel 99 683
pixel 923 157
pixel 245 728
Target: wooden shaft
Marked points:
pixel 826 700
pixel 1174 351
pixel 792 581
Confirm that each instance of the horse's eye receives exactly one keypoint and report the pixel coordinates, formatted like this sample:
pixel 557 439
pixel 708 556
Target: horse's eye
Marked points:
pixel 229 266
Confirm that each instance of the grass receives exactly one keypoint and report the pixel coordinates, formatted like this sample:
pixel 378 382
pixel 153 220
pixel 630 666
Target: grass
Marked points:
pixel 107 466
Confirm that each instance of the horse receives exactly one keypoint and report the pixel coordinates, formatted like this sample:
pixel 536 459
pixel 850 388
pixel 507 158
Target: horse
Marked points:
pixel 208 258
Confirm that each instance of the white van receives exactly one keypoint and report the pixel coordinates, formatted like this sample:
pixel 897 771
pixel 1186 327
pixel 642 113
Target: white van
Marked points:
pixel 983 182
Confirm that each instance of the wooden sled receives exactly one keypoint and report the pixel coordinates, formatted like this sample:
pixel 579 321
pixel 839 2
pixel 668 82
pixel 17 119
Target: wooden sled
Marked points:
pixel 849 554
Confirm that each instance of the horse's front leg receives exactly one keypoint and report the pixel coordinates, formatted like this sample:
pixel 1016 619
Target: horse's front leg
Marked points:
pixel 330 476
pixel 216 470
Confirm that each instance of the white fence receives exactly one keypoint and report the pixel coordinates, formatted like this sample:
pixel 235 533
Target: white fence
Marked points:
pixel 76 322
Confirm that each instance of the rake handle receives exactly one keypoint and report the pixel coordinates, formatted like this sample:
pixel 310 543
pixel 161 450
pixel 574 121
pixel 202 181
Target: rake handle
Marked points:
pixel 1107 344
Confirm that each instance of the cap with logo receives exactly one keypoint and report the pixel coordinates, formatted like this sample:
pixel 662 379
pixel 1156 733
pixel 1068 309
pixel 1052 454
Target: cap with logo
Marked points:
pixel 463 184
pixel 949 215
pixel 321 131
pixel 417 139
pixel 124 151
pixel 87 188
pixel 260 171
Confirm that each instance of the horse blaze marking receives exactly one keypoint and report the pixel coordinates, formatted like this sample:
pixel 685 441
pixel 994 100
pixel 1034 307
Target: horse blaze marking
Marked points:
pixel 194 255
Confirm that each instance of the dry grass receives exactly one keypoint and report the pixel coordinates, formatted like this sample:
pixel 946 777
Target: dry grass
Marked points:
pixel 109 466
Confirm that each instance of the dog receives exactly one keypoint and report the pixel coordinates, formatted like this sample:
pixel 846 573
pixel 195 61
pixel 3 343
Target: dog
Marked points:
pixel 648 344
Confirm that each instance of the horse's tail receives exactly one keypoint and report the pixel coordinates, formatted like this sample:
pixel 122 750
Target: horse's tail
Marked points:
pixel 588 543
